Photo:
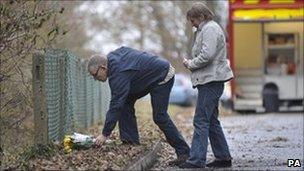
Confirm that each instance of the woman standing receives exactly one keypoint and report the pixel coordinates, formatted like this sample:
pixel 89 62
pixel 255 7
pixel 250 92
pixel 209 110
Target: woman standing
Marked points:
pixel 209 70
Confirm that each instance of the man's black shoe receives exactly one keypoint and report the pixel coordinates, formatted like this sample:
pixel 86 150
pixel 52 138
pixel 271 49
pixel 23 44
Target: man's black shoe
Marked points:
pixel 180 159
pixel 188 165
pixel 125 142
pixel 219 163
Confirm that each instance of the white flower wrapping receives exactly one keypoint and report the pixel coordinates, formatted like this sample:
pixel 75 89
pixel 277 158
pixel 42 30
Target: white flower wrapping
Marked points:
pixel 77 141
pixel 81 138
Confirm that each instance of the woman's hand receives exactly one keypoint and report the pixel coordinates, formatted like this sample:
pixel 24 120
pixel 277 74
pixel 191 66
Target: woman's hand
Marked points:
pixel 185 62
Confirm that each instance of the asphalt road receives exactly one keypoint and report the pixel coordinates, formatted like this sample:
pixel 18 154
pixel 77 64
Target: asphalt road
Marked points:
pixel 256 141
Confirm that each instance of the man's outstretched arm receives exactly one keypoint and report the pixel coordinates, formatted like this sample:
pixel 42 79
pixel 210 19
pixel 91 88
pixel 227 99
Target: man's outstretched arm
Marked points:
pixel 120 87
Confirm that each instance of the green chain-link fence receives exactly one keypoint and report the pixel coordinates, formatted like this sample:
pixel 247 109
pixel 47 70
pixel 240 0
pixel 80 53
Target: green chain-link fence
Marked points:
pixel 66 97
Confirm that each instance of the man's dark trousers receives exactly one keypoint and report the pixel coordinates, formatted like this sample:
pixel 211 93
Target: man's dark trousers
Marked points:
pixel 160 100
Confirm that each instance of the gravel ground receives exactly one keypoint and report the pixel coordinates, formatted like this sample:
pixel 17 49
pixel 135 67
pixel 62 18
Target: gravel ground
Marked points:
pixel 256 141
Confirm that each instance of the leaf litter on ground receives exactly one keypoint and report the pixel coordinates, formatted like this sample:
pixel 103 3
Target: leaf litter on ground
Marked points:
pixel 110 156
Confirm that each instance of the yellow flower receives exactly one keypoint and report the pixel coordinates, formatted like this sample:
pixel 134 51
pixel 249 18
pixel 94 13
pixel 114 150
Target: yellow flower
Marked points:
pixel 67 143
pixel 67 149
pixel 67 138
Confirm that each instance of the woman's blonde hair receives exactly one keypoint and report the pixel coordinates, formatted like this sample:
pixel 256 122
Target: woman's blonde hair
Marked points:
pixel 200 11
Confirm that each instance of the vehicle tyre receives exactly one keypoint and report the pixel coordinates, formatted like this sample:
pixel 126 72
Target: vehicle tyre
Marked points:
pixel 271 100
pixel 193 101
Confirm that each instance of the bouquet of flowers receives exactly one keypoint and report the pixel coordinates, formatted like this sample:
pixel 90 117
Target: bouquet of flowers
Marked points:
pixel 77 141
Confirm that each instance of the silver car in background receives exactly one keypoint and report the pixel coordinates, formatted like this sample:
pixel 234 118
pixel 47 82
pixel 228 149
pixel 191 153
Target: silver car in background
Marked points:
pixel 182 92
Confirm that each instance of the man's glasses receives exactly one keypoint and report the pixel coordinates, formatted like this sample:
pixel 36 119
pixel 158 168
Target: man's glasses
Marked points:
pixel 96 73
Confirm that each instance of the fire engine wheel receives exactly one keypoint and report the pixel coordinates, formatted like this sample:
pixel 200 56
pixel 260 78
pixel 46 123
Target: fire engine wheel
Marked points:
pixel 271 101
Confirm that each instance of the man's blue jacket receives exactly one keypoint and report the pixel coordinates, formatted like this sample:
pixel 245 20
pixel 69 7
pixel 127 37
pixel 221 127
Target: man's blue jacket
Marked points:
pixel 130 72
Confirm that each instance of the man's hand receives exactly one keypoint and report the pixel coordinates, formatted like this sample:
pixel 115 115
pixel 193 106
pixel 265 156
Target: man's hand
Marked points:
pixel 185 62
pixel 100 140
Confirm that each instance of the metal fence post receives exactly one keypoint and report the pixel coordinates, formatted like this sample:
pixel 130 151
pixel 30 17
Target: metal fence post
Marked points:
pixel 85 99
pixel 91 106
pixel 78 94
pixel 40 113
pixel 62 111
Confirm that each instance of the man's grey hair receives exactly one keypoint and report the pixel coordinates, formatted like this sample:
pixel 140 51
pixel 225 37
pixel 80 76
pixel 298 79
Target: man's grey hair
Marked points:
pixel 96 61
pixel 200 11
